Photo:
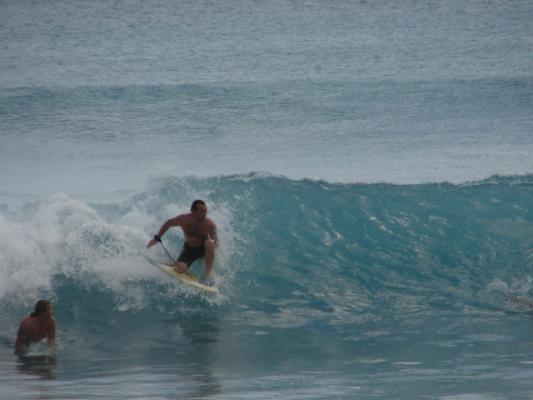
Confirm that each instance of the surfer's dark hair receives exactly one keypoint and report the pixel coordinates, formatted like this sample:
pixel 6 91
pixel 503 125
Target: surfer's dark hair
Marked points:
pixel 196 203
pixel 40 307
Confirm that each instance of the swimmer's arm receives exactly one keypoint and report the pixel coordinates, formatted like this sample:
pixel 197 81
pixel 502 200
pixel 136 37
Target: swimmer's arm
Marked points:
pixel 21 344
pixel 52 334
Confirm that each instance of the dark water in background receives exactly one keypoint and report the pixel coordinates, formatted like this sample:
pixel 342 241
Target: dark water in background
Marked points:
pixel 368 165
pixel 98 97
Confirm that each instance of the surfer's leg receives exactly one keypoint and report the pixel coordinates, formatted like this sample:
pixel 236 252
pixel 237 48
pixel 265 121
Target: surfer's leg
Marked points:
pixel 185 259
pixel 209 256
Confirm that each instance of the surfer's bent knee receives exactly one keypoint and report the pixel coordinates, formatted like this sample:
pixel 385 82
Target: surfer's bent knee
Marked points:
pixel 209 244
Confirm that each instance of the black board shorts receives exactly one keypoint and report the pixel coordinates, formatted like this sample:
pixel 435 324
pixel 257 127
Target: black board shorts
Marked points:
pixel 190 254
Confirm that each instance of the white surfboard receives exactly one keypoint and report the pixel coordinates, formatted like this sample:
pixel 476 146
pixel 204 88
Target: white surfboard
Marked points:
pixel 188 278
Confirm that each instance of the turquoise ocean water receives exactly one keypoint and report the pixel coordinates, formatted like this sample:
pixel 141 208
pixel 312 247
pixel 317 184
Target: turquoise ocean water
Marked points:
pixel 368 164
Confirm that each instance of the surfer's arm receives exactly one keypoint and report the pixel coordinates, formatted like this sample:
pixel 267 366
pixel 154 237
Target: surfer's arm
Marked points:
pixel 169 223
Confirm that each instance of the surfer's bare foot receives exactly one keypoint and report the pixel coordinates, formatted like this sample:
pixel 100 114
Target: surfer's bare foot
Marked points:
pixel 180 268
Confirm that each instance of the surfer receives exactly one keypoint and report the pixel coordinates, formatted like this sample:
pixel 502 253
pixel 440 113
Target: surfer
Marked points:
pixel 39 325
pixel 200 234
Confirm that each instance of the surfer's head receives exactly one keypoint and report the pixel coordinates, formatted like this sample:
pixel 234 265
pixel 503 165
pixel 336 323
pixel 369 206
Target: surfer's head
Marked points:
pixel 199 209
pixel 42 307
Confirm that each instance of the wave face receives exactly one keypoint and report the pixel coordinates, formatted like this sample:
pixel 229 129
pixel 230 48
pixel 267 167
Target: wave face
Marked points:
pixel 294 253
pixel 343 281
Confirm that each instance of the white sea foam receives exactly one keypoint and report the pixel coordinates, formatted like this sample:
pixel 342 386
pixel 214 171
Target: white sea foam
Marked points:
pixel 68 238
